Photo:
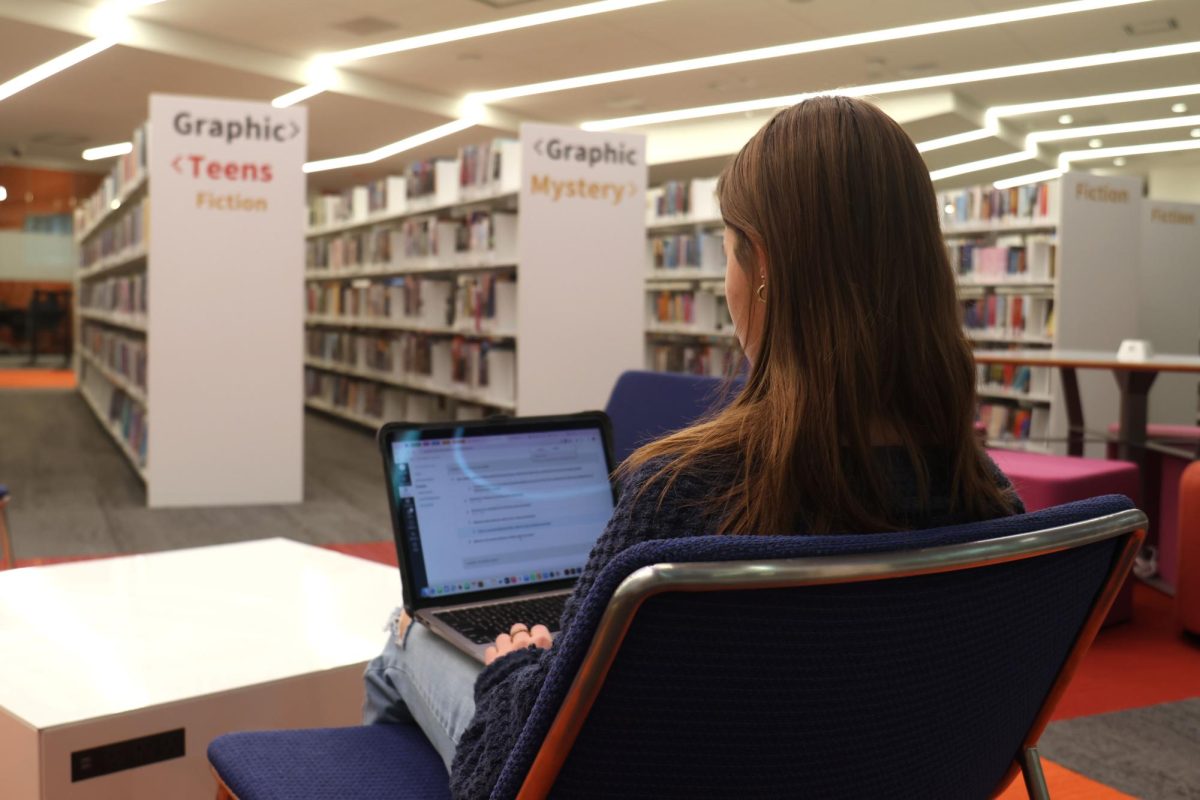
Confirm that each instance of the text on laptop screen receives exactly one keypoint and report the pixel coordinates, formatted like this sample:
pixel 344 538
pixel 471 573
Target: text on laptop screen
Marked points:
pixel 486 512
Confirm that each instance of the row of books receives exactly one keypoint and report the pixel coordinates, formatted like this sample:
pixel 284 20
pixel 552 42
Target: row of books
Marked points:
pixel 478 171
pixel 696 250
pixel 127 171
pixel 981 204
pixel 123 415
pixel 1019 379
pixel 380 403
pixel 693 359
pixel 695 309
pixel 478 235
pixel 1033 259
pixel 694 198
pixel 121 353
pixel 1010 316
pixel 484 304
pixel 456 365
pixel 130 230
pixel 125 294
pixel 1009 422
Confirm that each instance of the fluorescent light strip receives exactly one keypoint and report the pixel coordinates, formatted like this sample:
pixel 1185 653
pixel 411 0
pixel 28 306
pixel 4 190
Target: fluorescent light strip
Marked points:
pixel 800 48
pixel 982 164
pixel 107 151
pixel 1071 156
pixel 893 87
pixel 1059 134
pixel 1139 95
pixel 388 150
pixel 54 66
pixel 298 95
pixel 955 139
pixel 489 28
pixel 1032 177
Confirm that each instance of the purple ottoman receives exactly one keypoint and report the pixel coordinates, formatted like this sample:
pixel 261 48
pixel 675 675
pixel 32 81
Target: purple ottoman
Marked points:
pixel 1045 480
pixel 1170 470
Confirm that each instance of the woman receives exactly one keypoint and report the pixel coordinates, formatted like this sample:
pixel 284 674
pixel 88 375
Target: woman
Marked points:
pixel 856 415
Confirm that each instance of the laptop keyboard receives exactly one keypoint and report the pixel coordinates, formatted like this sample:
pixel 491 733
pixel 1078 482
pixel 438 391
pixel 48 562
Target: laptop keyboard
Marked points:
pixel 482 624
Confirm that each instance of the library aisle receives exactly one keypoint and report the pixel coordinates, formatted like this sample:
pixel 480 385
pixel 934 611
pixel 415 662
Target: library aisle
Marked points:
pixel 79 496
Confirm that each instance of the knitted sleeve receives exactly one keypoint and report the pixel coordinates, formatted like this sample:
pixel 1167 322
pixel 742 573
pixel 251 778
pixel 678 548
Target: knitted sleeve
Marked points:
pixel 508 687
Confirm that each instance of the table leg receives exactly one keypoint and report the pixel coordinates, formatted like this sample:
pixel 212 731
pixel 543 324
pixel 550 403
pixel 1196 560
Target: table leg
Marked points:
pixel 1075 432
pixel 1135 406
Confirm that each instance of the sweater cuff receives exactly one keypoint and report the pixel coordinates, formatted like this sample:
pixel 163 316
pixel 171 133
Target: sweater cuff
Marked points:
pixel 499 670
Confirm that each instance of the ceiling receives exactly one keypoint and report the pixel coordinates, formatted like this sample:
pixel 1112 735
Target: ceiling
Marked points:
pixel 257 50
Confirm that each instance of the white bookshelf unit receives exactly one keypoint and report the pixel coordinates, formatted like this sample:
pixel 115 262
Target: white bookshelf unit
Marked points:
pixel 1037 266
pixel 218 359
pixel 688 327
pixel 412 293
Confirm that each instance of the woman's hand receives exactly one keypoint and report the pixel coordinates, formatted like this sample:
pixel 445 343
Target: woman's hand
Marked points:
pixel 518 638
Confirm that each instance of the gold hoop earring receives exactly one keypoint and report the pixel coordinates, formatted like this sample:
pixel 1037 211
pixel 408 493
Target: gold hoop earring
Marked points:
pixel 761 289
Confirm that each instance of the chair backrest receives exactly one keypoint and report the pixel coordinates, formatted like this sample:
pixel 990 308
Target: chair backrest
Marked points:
pixel 645 405
pixel 916 664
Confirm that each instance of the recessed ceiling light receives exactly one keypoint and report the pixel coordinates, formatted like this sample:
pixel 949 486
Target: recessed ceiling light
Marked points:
pixel 3 194
pixel 1196 133
pixel 949 209
pixel 1119 161
pixel 1065 119
pixel 1179 108
pixel 1094 143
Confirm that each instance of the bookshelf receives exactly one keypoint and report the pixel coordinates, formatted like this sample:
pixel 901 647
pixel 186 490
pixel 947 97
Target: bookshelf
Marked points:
pixel 217 365
pixel 110 297
pixel 1037 266
pixel 413 285
pixel 688 326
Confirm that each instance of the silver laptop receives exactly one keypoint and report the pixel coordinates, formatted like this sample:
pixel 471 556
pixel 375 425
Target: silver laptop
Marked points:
pixel 494 520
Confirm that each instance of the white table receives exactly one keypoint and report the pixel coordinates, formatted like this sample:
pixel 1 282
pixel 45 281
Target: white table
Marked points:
pixel 261 634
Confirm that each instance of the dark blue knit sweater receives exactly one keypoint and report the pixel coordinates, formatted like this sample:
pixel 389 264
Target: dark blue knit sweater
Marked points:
pixel 506 689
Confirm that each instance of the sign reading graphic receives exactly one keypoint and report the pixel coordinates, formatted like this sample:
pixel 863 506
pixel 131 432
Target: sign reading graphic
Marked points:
pixel 583 259
pixel 225 292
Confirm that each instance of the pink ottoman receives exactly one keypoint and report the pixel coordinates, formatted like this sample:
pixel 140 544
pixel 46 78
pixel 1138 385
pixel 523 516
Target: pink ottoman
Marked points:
pixel 1170 471
pixel 1045 480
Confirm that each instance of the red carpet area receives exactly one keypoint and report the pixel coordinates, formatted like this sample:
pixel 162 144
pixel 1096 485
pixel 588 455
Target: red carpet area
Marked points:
pixel 37 379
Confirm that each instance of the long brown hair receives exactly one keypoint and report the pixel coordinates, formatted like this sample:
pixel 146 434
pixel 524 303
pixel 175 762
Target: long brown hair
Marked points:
pixel 862 333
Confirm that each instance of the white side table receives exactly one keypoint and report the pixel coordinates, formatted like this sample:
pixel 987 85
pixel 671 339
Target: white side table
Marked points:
pixel 106 665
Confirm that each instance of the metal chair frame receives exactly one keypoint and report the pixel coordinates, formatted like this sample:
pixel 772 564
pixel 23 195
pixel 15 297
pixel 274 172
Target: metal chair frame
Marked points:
pixel 817 571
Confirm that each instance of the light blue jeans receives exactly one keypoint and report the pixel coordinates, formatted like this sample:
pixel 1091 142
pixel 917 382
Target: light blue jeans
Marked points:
pixel 422 680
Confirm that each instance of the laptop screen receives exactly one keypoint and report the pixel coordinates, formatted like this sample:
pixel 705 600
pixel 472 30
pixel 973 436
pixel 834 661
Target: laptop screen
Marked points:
pixel 480 508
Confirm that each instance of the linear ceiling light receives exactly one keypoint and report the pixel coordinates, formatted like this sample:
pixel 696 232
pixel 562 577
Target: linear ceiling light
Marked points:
pixel 955 139
pixel 1139 95
pixel 107 151
pixel 1061 134
pixel 893 87
pixel 54 66
pixel 1066 159
pixel 800 48
pixel 982 164
pixel 1032 177
pixel 388 150
pixel 328 61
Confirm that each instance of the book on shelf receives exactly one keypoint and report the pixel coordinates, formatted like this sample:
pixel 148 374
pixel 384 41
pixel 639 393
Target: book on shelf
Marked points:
pixel 365 400
pixel 1035 203
pixel 694 359
pixel 694 199
pixel 1009 316
pixel 1008 259
pixel 489 169
pixel 1014 422
pixel 433 181
pixel 430 240
pixel 698 251
pixel 125 418
pixel 698 309
pixel 129 231
pixel 125 355
pixel 124 294
pixel 129 169
pixel 1015 378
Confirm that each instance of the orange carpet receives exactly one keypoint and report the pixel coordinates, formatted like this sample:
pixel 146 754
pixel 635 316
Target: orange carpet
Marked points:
pixel 37 379
pixel 1064 785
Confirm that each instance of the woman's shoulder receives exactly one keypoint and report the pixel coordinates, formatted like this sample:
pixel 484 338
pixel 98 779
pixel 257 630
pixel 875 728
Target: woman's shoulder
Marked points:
pixel 665 486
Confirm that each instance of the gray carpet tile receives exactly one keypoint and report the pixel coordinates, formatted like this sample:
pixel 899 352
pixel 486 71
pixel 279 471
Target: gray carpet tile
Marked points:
pixel 1152 752
pixel 74 494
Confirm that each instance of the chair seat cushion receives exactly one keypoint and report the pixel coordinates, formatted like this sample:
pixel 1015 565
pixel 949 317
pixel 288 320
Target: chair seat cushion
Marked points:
pixel 371 762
